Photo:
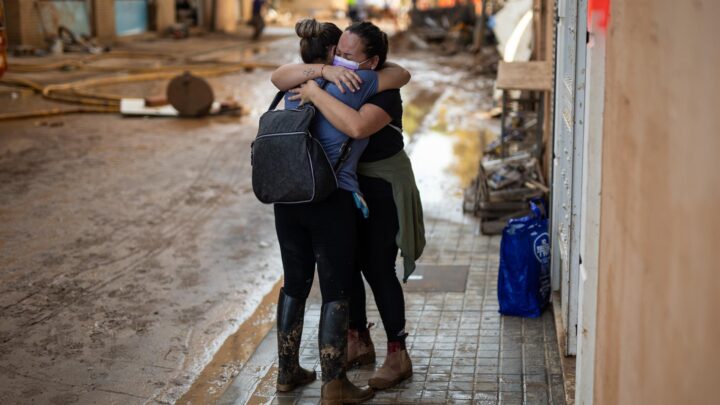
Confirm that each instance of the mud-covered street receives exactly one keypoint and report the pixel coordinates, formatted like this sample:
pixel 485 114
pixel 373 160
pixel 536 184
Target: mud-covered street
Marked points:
pixel 132 248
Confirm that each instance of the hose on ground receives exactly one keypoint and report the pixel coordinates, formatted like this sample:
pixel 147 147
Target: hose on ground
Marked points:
pixel 56 111
pixel 77 92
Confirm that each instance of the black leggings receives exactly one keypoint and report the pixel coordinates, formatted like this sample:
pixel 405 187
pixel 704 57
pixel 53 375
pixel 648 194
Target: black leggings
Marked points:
pixel 324 233
pixel 377 252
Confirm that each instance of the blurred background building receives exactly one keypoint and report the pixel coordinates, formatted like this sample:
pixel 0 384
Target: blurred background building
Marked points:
pixel 607 108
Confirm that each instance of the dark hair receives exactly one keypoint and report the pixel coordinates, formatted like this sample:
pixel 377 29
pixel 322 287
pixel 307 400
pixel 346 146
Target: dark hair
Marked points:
pixel 375 41
pixel 316 39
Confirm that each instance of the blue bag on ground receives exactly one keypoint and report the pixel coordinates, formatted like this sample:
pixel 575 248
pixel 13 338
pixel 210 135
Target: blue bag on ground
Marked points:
pixel 524 279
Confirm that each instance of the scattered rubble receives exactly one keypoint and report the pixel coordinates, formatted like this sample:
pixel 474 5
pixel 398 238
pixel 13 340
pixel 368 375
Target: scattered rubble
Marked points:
pixel 509 174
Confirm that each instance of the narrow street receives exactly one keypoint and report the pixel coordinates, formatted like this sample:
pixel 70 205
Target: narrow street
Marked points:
pixel 132 248
pixel 565 153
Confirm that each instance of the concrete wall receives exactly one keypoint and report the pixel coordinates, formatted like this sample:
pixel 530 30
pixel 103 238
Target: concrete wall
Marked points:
pixel 23 23
pixel 658 326
pixel 312 8
pixel 164 14
pixel 208 20
pixel 103 19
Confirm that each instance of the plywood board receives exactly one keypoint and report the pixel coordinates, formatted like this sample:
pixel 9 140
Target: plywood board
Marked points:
pixel 525 76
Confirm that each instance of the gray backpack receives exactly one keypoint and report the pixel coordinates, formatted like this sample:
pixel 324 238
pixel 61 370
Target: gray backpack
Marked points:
pixel 289 165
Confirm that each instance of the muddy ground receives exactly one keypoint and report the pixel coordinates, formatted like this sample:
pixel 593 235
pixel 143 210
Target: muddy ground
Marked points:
pixel 131 248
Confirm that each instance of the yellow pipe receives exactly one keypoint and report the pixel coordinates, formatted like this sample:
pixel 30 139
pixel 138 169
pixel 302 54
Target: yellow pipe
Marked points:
pixel 73 92
pixel 55 111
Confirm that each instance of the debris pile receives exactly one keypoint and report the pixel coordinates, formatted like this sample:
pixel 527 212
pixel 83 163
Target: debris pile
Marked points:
pixel 447 30
pixel 435 24
pixel 509 175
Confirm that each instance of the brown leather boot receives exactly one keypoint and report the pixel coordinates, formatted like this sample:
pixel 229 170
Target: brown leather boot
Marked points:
pixel 341 391
pixel 332 337
pixel 397 367
pixel 290 315
pixel 361 350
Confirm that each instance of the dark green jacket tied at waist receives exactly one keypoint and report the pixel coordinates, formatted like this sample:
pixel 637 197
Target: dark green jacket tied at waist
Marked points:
pixel 397 171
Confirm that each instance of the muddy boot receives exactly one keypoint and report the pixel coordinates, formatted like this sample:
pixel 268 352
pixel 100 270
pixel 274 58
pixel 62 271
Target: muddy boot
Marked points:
pixel 361 350
pixel 336 388
pixel 397 367
pixel 290 314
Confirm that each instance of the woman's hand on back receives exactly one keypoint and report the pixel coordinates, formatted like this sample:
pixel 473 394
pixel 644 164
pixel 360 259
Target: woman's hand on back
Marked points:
pixel 305 92
pixel 341 76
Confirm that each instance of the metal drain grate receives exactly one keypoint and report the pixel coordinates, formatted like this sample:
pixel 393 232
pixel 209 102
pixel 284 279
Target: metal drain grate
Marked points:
pixel 436 278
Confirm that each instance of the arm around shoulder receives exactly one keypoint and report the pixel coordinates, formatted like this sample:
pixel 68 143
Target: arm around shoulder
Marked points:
pixel 357 124
pixel 292 75
pixel 392 76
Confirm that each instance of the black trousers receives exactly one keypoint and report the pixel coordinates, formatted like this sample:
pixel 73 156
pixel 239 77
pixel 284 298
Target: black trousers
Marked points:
pixel 377 252
pixel 323 233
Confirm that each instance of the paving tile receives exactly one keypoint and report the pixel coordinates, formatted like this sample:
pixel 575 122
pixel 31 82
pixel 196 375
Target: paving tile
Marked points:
pixel 464 369
pixel 486 369
pixel 487 361
pixel 436 386
pixel 409 396
pixel 432 394
pixel 487 386
pixel 460 395
pixel 455 377
pixel 440 369
pixel 283 400
pixel 308 401
pixel 461 386
pixel 485 396
pixel 536 397
pixel 493 354
pixel 459 401
pixel 463 361
pixel 420 361
pixel 511 398
pixel 511 387
pixel 438 378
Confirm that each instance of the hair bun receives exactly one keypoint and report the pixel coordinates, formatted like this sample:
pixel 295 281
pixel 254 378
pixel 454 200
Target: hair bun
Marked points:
pixel 307 28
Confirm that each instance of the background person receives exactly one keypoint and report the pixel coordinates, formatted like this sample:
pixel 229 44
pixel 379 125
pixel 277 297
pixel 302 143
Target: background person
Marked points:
pixel 258 18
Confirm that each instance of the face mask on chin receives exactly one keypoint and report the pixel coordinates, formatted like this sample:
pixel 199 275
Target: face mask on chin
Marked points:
pixel 347 64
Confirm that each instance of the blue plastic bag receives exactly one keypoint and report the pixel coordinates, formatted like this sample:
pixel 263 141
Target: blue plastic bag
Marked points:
pixel 524 277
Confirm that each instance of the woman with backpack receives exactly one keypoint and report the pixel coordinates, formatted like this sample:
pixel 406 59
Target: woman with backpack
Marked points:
pixel 387 182
pixel 324 232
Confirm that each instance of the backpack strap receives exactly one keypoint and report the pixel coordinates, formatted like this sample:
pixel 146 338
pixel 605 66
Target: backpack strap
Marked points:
pixel 279 96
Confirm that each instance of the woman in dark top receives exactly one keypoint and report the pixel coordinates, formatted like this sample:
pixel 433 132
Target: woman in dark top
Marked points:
pixel 378 249
pixel 395 220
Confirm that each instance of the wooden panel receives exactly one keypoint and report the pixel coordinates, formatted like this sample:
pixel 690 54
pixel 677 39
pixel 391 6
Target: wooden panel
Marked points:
pixel 525 76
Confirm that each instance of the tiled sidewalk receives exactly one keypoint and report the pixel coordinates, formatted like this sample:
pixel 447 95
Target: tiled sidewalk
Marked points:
pixel 463 351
